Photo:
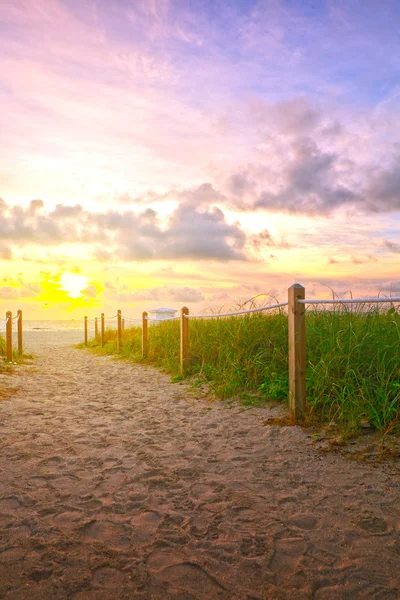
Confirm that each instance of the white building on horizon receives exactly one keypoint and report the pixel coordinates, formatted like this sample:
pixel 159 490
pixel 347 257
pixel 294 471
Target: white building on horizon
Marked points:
pixel 161 314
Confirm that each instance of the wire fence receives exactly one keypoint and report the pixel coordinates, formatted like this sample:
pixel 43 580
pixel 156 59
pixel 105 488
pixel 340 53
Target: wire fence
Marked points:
pixel 4 324
pixel 377 300
pixel 296 313
pixel 236 313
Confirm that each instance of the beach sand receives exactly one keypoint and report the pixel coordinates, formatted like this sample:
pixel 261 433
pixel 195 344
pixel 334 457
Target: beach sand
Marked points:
pixel 115 483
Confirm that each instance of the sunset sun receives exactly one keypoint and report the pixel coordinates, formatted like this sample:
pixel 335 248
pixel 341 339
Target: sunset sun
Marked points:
pixel 73 284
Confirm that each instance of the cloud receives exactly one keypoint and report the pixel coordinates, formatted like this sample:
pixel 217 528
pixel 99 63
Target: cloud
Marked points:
pixel 32 224
pixel 9 293
pixel 19 289
pixel 203 234
pixel 382 192
pixel 307 181
pixel 5 252
pixel 30 290
pixel 295 116
pixel 195 230
pixel 392 246
pixel 90 291
pixel 163 294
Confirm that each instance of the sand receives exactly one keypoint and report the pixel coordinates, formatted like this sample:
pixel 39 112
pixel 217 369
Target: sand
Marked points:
pixel 115 483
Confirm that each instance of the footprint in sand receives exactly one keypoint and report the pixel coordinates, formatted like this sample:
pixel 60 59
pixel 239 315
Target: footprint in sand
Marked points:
pixel 11 555
pixel 162 557
pixel 191 577
pixel 145 525
pixel 253 545
pixel 303 521
pixel 106 577
pixel 288 553
pixel 373 524
pixel 113 534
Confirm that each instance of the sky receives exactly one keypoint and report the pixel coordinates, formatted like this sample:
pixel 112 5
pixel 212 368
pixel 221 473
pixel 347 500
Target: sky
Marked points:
pixel 196 152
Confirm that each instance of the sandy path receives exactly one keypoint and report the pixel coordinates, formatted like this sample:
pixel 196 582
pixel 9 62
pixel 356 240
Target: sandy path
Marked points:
pixel 115 483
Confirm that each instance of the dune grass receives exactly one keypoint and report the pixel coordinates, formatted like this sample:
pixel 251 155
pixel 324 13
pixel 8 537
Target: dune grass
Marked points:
pixel 353 361
pixel 4 366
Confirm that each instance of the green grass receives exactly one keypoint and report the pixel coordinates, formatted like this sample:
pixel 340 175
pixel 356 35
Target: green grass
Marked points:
pixel 353 361
pixel 16 358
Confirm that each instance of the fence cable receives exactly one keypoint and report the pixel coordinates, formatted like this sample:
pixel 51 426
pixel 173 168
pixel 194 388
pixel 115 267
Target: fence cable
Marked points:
pixel 4 324
pixel 162 320
pixel 241 312
pixel 350 301
pixel 129 318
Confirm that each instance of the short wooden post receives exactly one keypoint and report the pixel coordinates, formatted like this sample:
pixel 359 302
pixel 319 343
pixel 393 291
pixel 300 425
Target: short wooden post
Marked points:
pixel 297 351
pixel 102 329
pixel 9 355
pixel 184 353
pixel 96 328
pixel 145 338
pixel 119 330
pixel 86 330
pixel 123 326
pixel 19 326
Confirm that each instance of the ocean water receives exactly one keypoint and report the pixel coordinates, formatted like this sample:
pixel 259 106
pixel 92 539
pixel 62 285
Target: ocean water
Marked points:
pixel 64 325
pixel 39 333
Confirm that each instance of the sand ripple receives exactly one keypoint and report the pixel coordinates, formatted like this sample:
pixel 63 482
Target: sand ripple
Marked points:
pixel 115 483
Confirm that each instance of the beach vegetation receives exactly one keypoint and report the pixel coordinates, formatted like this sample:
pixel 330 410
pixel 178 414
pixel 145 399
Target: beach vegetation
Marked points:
pixel 16 357
pixel 353 361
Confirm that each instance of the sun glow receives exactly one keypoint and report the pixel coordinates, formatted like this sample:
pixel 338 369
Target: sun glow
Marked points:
pixel 73 284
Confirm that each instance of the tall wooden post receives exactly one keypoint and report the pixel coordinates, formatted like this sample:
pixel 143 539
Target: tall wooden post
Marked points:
pixel 297 351
pixel 119 330
pixel 102 329
pixel 86 330
pixel 184 353
pixel 9 355
pixel 145 339
pixel 19 326
pixel 96 328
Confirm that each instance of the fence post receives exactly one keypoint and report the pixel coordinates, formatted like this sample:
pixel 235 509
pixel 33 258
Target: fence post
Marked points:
pixel 9 355
pixel 119 330
pixel 86 330
pixel 102 329
pixel 96 328
pixel 123 325
pixel 145 339
pixel 19 326
pixel 184 353
pixel 297 351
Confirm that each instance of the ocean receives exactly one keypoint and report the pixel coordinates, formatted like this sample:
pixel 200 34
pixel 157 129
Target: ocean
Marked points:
pixel 62 325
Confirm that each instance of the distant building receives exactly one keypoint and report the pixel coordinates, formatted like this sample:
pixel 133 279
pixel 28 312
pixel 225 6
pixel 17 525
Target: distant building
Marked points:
pixel 160 314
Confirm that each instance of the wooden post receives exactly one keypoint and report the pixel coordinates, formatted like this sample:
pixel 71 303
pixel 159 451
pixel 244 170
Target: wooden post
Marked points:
pixel 86 330
pixel 96 328
pixel 184 353
pixel 9 355
pixel 145 339
pixel 123 326
pixel 102 329
pixel 19 325
pixel 297 351
pixel 119 330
